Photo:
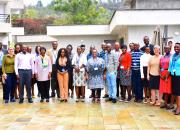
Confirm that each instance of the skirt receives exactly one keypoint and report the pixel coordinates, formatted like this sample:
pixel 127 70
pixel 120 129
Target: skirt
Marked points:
pixel 145 82
pixel 165 86
pixel 125 80
pixel 154 82
pixel 176 85
pixel 79 79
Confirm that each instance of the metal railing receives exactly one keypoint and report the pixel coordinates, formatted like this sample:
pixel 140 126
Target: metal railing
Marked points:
pixel 5 18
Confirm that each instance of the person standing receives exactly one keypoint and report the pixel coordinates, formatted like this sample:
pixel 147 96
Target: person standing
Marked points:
pixel 24 68
pixel 9 75
pixel 174 71
pixel 125 74
pixel 147 44
pixel 70 70
pixel 131 47
pixel 63 66
pixel 111 71
pixel 2 53
pixel 117 53
pixel 52 53
pixel 95 69
pixel 136 74
pixel 43 69
pixel 144 61
pixel 18 49
pixel 165 83
pixel 79 74
pixel 102 55
pixel 154 76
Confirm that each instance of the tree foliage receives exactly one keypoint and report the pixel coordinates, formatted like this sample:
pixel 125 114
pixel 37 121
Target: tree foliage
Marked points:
pixel 79 11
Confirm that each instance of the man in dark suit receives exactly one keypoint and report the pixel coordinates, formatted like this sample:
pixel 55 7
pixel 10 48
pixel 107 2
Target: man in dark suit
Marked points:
pixel 147 44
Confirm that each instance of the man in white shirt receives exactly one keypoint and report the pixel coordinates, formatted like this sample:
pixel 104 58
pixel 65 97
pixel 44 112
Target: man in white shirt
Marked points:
pixel 52 53
pixel 24 69
pixel 117 51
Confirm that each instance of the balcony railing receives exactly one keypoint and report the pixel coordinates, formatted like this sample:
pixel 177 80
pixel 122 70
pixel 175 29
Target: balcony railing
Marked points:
pixel 5 18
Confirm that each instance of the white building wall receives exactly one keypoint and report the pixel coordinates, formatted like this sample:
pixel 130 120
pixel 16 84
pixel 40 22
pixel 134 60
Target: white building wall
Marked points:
pixel 136 33
pixel 77 40
pixel 87 40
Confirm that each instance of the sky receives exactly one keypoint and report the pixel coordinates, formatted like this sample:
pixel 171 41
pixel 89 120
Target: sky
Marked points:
pixel 33 2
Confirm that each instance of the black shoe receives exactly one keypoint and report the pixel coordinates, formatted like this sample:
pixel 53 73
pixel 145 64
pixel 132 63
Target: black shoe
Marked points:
pixel 177 113
pixel 52 96
pixel 12 100
pixel 6 101
pixel 114 101
pixel 135 100
pixel 106 96
pixel 169 107
pixel 47 100
pixel 90 96
pixel 65 100
pixel 30 101
pixel 21 101
pixel 42 100
pixel 139 101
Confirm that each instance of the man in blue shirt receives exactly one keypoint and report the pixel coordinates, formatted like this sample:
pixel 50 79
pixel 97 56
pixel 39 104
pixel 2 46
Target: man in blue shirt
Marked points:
pixel 136 75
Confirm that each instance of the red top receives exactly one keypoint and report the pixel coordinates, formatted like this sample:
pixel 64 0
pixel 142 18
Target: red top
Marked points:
pixel 125 61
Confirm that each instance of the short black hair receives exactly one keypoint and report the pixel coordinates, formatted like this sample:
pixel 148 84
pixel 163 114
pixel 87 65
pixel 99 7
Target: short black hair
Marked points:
pixel 82 45
pixel 42 48
pixel 123 47
pixel 177 43
pixel 70 46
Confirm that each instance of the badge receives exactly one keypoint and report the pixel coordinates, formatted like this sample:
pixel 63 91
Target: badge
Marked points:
pixel 122 67
pixel 95 68
pixel 63 69
pixel 162 69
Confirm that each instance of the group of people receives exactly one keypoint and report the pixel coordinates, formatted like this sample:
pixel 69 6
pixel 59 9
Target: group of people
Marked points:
pixel 142 73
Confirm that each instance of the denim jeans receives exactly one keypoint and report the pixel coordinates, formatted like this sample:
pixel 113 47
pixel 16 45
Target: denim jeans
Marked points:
pixel 111 81
pixel 136 83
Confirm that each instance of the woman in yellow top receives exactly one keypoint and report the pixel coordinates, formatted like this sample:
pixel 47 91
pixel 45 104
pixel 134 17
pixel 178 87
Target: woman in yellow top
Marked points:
pixel 9 75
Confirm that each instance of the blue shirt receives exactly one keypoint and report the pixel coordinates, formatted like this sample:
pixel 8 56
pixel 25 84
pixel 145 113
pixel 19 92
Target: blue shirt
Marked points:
pixel 102 54
pixel 174 66
pixel 135 65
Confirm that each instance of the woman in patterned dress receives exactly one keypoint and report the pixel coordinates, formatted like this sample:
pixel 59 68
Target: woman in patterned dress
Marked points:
pixel 125 73
pixel 79 74
pixel 95 70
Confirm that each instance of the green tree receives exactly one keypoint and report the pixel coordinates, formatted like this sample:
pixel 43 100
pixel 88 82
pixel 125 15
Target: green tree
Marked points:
pixel 30 13
pixel 79 11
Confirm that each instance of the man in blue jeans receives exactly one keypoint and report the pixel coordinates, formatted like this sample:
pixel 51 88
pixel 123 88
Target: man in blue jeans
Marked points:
pixel 136 75
pixel 111 64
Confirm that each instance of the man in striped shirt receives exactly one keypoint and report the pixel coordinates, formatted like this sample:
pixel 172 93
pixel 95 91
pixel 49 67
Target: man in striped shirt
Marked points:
pixel 136 75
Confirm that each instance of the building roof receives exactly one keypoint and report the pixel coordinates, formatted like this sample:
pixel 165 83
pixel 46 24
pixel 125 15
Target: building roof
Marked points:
pixel 35 39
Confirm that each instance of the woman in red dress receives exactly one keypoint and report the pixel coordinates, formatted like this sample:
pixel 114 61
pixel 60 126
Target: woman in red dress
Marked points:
pixel 165 83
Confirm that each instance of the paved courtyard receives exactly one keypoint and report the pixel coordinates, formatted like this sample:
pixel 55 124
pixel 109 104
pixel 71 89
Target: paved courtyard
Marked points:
pixel 85 116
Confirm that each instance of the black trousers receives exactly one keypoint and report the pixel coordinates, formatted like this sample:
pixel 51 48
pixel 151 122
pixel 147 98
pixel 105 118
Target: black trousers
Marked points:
pixel 96 92
pixel 118 85
pixel 54 82
pixel 44 87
